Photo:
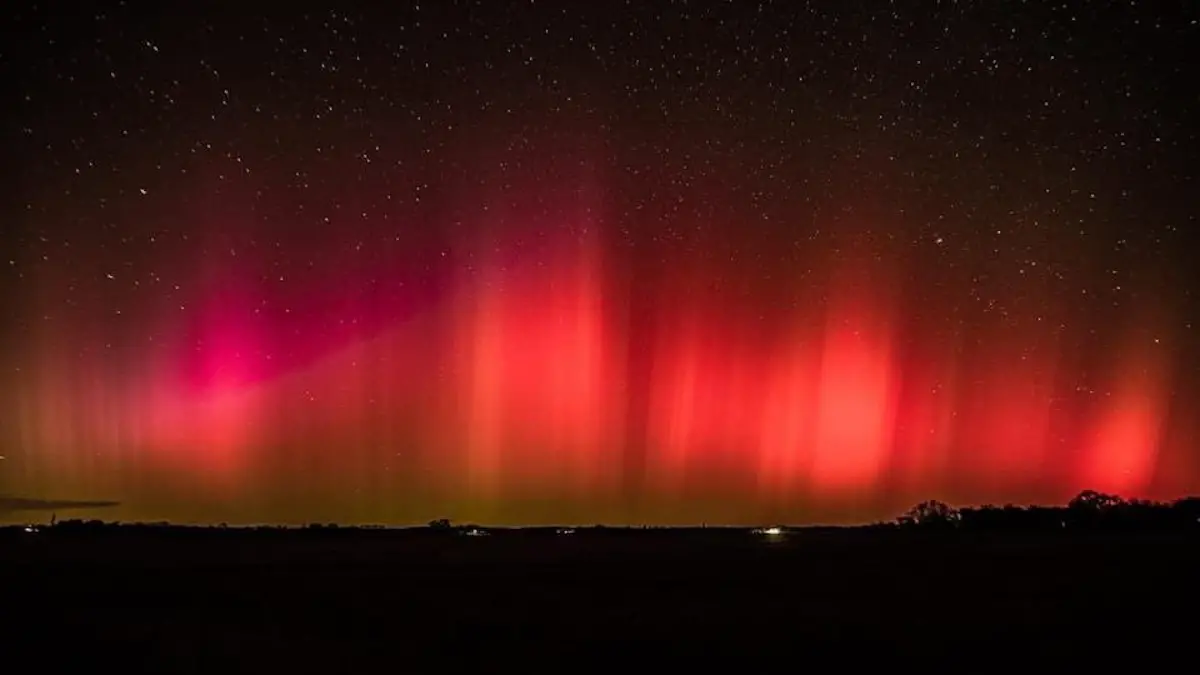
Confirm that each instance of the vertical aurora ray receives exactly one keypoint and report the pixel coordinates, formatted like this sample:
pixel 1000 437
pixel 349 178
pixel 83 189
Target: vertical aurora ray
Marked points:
pixel 1124 437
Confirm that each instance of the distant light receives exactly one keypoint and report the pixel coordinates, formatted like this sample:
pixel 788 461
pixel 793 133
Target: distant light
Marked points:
pixel 30 529
pixel 770 531
pixel 566 530
pixel 475 532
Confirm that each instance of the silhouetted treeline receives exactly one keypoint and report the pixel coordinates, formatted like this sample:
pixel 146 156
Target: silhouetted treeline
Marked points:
pixel 1089 510
pixel 434 530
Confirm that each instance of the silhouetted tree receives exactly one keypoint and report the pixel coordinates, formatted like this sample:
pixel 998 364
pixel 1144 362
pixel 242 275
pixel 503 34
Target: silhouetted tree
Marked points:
pixel 931 513
pixel 1091 509
pixel 441 524
pixel 1096 502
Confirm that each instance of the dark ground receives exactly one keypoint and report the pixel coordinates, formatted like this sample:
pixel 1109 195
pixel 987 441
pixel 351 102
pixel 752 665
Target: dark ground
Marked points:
pixel 816 601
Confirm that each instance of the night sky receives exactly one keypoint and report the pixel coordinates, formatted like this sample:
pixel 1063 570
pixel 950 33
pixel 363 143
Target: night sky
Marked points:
pixel 638 262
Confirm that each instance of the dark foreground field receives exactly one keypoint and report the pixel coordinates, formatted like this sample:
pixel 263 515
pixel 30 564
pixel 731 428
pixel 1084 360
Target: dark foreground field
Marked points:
pixel 819 601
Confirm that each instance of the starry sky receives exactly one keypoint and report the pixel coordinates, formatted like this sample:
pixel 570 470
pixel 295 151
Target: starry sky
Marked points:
pixel 621 262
